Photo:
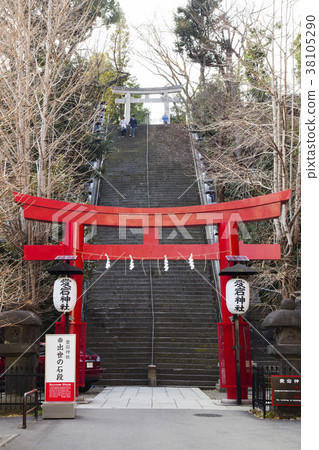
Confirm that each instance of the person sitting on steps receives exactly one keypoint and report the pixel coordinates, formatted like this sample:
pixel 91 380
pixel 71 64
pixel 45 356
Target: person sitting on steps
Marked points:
pixel 165 119
pixel 133 125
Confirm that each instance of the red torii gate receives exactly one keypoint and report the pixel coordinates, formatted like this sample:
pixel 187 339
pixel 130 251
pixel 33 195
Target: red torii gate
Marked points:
pixel 226 215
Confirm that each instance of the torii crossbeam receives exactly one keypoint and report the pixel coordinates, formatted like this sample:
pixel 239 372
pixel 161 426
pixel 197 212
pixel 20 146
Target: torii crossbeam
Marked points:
pixel 164 93
pixel 151 220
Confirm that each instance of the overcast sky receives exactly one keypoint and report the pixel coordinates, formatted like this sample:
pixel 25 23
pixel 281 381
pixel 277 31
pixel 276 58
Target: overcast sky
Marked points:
pixel 140 12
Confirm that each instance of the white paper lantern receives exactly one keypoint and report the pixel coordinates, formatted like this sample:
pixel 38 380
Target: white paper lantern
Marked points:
pixel 64 294
pixel 237 296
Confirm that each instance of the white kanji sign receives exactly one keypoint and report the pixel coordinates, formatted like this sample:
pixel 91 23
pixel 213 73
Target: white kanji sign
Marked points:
pixel 60 367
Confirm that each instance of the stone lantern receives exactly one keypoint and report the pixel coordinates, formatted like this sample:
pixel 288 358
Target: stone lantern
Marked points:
pixel 287 325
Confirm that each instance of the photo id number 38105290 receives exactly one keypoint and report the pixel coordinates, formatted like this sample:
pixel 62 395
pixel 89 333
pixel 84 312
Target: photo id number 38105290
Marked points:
pixel 310 45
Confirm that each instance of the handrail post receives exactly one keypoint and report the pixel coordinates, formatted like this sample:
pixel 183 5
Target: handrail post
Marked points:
pixel 264 391
pixel 253 387
pixel 35 408
pixel 36 413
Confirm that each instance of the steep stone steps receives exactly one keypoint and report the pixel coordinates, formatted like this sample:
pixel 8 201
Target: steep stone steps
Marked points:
pixel 119 313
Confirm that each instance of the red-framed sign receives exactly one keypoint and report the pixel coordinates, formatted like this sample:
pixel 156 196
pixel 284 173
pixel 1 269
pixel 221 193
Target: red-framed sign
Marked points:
pixel 60 367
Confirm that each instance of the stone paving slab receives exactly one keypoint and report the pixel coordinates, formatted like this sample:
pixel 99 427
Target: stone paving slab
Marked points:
pixel 127 397
pixel 5 438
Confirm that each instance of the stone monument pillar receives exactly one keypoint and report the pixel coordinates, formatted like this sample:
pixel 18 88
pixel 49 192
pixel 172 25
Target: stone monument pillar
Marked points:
pixel 287 325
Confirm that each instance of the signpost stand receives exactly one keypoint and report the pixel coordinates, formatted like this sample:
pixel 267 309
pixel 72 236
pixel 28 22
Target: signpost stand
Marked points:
pixel 66 316
pixel 237 351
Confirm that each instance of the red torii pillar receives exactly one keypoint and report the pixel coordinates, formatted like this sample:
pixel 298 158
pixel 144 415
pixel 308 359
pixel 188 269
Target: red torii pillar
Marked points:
pixel 226 215
pixel 229 245
pixel 74 240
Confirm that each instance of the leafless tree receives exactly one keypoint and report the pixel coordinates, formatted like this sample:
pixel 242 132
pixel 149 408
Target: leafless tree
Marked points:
pixel 48 98
pixel 266 122
pixel 160 58
pixel 248 109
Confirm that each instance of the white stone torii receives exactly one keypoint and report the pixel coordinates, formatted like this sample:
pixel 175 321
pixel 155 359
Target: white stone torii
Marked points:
pixel 164 91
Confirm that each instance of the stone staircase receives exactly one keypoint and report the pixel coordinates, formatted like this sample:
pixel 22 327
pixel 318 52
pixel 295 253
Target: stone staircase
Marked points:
pixel 118 311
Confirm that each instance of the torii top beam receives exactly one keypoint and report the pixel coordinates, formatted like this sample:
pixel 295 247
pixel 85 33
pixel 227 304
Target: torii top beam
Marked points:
pixel 146 92
pixel 247 210
pixel 150 220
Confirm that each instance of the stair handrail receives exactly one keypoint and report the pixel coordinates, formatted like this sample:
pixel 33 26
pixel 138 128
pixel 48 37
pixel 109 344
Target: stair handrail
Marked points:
pixel 35 408
pixel 211 230
pixel 93 200
pixel 147 120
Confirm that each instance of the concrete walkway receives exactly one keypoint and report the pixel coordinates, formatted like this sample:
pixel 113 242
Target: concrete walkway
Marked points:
pixel 139 418
pixel 157 429
pixel 143 397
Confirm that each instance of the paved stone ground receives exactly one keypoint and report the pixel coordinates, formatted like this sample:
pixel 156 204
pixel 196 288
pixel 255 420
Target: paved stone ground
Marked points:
pixel 143 397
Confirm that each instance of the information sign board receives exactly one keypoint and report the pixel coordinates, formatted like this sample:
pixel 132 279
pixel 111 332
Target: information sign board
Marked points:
pixel 286 390
pixel 60 368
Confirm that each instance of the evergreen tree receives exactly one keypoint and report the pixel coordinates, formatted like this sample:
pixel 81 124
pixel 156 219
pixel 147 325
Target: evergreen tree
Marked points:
pixel 195 28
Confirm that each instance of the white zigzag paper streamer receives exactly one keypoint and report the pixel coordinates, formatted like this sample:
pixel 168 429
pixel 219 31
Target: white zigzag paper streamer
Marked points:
pixel 166 266
pixel 191 262
pixel 108 262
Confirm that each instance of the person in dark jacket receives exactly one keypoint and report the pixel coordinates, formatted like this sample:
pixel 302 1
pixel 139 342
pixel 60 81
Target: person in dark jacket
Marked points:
pixel 133 125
